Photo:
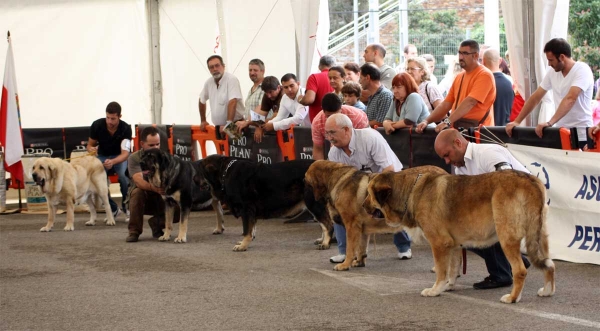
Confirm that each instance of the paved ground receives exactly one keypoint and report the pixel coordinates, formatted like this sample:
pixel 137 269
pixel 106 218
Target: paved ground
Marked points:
pixel 91 279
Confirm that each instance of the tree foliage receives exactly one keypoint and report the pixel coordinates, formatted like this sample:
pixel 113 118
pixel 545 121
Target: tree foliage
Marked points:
pixel 584 32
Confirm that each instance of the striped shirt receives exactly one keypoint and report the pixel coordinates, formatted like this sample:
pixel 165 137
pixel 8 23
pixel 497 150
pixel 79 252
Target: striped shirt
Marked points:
pixel 379 104
pixel 357 116
pixel 253 99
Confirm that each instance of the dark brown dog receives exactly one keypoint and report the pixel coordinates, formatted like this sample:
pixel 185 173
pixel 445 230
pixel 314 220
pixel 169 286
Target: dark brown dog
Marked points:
pixel 469 211
pixel 345 188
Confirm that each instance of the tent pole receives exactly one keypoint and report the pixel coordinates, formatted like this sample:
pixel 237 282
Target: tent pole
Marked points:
pixel 154 30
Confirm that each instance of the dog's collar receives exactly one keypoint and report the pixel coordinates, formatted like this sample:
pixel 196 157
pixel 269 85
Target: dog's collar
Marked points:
pixel 225 174
pixel 408 196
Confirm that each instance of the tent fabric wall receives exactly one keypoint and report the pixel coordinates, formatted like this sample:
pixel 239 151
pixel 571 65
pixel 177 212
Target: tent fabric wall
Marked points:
pixel 550 21
pixel 74 57
pixel 311 19
pixel 189 31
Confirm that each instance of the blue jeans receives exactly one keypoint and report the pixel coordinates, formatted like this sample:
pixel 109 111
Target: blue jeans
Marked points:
pixel 123 180
pixel 401 239
pixel 496 262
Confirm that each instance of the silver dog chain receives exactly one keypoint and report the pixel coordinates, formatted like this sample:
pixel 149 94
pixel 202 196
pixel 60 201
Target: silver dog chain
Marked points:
pixel 225 173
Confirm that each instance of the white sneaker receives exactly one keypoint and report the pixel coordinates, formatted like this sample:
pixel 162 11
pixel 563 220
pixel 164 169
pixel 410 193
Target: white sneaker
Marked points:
pixel 338 258
pixel 406 255
pixel 127 217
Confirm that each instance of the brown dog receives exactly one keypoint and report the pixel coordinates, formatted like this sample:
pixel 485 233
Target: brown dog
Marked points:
pixel 345 188
pixel 470 211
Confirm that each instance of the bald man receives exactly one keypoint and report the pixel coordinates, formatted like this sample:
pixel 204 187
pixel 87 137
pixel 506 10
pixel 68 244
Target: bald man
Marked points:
pixel 504 91
pixel 476 159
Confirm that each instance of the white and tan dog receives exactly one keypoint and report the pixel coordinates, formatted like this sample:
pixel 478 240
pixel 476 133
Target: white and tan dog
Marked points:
pixel 72 183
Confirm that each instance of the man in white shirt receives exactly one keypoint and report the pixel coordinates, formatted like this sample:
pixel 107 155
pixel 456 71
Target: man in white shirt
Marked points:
pixel 365 150
pixel 571 83
pixel 477 159
pixel 225 95
pixel 290 110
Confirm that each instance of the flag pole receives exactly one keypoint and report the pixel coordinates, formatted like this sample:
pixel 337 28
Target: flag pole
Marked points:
pixel 18 181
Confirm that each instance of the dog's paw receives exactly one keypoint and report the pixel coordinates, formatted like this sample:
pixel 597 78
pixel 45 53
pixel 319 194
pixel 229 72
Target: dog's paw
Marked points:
pixel 358 264
pixel 110 223
pixel 180 240
pixel 69 228
pixel 164 238
pixel 322 247
pixel 449 287
pixel 46 229
pixel 429 292
pixel 219 231
pixel 507 298
pixel 239 248
pixel 545 291
pixel 90 223
pixel 341 267
pixel 319 241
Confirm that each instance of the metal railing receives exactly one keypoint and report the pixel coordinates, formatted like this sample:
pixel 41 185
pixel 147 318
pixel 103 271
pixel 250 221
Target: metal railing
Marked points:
pixel 344 36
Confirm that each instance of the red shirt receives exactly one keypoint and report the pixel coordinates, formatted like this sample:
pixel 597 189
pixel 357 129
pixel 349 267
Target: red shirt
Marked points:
pixel 318 83
pixel 358 117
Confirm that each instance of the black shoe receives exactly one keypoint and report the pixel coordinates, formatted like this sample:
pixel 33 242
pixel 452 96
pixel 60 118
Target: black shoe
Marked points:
pixel 133 237
pixel 154 223
pixel 526 262
pixel 489 283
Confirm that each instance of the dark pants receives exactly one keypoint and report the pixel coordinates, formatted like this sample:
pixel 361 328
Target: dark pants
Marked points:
pixel 142 203
pixel 497 265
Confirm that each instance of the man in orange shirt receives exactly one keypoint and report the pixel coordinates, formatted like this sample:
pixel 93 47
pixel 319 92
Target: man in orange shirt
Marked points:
pixel 471 96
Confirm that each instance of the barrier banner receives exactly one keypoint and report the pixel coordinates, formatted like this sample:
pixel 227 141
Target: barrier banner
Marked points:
pixel 182 142
pixel 303 143
pixel 76 139
pixel 44 141
pixel 267 151
pixel 399 141
pixel 242 147
pixel 163 131
pixel 521 136
pixel 423 151
pixel 572 181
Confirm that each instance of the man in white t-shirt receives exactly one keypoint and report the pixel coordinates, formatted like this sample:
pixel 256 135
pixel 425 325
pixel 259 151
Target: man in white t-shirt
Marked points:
pixel 571 83
pixel 290 110
pixel 225 95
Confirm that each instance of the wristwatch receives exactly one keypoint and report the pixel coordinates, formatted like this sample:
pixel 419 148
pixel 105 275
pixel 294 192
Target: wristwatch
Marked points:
pixel 447 122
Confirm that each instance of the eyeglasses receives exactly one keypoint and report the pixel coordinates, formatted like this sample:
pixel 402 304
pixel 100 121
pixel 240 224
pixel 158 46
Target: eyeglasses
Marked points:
pixel 413 69
pixel 214 66
pixel 465 53
pixel 330 133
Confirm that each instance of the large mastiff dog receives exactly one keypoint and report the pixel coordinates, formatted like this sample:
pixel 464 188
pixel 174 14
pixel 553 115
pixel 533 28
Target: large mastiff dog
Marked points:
pixel 181 181
pixel 72 183
pixel 345 188
pixel 469 211
pixel 255 190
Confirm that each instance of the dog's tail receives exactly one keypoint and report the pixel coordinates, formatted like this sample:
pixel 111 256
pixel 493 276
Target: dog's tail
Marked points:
pixel 536 235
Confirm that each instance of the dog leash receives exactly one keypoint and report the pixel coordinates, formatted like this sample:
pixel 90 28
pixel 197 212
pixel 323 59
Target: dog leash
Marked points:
pixel 84 155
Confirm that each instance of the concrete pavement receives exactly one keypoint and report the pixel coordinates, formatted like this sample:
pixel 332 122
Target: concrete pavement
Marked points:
pixel 91 279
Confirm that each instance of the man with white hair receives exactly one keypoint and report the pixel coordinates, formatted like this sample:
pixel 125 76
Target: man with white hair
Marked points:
pixel 365 150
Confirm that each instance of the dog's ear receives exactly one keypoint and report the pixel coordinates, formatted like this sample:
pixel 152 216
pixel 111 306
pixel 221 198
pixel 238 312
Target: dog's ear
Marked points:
pixel 382 193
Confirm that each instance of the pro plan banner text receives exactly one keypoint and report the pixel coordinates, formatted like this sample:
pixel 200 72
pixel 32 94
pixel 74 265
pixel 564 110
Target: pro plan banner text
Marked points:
pixel 572 181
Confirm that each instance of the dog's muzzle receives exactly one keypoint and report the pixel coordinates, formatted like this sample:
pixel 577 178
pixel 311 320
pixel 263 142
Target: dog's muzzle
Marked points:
pixel 38 181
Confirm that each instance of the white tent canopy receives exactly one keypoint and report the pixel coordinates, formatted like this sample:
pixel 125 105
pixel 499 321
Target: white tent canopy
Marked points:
pixel 73 57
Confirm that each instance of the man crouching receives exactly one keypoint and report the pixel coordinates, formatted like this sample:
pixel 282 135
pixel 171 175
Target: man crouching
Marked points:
pixel 142 197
